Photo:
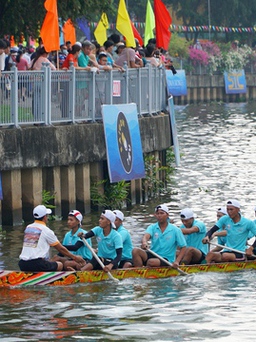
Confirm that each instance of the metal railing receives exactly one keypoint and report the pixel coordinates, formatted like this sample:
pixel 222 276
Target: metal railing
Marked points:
pixel 51 97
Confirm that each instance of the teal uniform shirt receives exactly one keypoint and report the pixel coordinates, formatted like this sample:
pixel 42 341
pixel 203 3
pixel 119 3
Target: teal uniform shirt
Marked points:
pixel 107 245
pixel 222 239
pixel 70 239
pixel 127 243
pixel 83 60
pixel 237 233
pixel 195 239
pixel 165 243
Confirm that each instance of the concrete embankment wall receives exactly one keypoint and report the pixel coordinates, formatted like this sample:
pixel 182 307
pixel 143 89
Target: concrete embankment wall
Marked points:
pixel 203 88
pixel 62 159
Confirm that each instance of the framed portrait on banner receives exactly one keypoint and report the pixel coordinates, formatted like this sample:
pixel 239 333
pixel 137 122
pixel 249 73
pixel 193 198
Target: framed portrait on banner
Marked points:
pixel 123 142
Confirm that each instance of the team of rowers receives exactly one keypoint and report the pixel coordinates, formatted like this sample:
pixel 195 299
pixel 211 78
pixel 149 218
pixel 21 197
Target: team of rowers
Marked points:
pixel 187 244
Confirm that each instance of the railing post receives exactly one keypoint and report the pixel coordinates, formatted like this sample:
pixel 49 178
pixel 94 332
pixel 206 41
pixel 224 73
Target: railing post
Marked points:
pixel 43 115
pixel 14 96
pixel 126 82
pixel 149 66
pixel 48 117
pixel 72 93
pixel 139 92
pixel 109 88
pixel 92 93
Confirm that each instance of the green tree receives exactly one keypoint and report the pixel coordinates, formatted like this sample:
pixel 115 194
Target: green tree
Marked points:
pixel 26 16
pixel 228 13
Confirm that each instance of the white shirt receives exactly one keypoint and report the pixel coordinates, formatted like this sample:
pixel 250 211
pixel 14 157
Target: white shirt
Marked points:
pixel 37 241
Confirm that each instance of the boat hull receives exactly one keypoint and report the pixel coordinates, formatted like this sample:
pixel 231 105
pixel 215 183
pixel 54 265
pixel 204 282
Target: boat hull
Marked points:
pixel 18 278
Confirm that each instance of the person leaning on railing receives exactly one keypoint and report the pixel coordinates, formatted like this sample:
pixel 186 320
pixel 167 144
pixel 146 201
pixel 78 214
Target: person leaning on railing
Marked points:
pixel 128 56
pixel 40 59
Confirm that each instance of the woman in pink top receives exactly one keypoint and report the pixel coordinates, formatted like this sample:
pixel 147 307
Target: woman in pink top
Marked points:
pixel 22 65
pixel 36 64
pixel 41 57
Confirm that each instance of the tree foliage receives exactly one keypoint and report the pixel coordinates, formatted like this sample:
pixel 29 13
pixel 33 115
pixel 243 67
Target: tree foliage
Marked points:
pixel 26 16
pixel 228 13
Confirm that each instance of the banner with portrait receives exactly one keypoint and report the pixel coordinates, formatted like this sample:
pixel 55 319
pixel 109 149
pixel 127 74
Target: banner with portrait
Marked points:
pixel 123 142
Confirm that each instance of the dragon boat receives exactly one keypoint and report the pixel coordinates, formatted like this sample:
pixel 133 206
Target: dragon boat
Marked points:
pixel 19 278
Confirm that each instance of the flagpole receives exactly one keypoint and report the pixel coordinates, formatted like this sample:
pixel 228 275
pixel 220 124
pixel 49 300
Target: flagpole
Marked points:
pixel 209 18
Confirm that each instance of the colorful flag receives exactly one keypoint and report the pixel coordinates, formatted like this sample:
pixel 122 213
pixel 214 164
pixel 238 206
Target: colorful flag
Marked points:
pixel 100 32
pixel 123 24
pixel 136 34
pixel 50 28
pixel 12 41
pixel 69 32
pixel 84 27
pixel 149 24
pixel 163 21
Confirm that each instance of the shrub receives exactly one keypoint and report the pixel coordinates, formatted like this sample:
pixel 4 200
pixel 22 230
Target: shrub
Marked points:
pixel 198 56
pixel 179 46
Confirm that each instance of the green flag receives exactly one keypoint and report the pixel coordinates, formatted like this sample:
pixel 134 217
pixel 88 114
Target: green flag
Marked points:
pixel 149 24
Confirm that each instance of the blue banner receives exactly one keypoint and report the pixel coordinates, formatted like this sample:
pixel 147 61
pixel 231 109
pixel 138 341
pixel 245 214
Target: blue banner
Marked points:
pixel 123 142
pixel 176 84
pixel 235 82
pixel 174 131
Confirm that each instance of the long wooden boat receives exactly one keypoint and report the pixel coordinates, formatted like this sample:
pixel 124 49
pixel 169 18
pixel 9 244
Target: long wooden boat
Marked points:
pixel 18 278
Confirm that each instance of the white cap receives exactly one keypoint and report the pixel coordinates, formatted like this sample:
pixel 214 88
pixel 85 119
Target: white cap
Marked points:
pixel 40 211
pixel 162 207
pixel 186 213
pixel 77 215
pixel 222 210
pixel 110 216
pixel 233 202
pixel 119 214
pixel 78 43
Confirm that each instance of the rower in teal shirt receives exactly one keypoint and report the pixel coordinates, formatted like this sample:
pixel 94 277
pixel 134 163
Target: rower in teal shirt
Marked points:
pixel 109 243
pixel 126 260
pixel 238 229
pixel 194 232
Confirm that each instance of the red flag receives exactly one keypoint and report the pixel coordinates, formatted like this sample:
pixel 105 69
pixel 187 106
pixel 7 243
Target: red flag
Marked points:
pixel 136 34
pixel 50 28
pixel 163 21
pixel 69 32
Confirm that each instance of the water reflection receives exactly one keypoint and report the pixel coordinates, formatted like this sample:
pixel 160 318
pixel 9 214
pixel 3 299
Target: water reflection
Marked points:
pixel 218 161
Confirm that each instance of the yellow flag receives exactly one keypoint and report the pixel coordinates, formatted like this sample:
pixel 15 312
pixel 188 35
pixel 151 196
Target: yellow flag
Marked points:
pixel 123 24
pixel 149 24
pixel 100 32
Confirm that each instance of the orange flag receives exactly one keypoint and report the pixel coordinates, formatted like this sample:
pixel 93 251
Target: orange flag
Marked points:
pixel 136 34
pixel 163 21
pixel 12 41
pixel 69 32
pixel 50 28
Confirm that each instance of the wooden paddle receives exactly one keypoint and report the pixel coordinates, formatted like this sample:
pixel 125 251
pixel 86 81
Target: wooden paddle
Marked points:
pixel 167 262
pixel 99 261
pixel 230 249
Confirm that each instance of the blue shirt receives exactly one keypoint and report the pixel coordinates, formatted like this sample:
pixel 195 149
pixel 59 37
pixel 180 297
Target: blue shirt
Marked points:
pixel 107 245
pixel 71 239
pixel 237 233
pixel 222 239
pixel 127 243
pixel 83 59
pixel 165 243
pixel 195 239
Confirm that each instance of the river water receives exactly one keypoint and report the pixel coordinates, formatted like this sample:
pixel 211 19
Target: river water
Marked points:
pixel 218 161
